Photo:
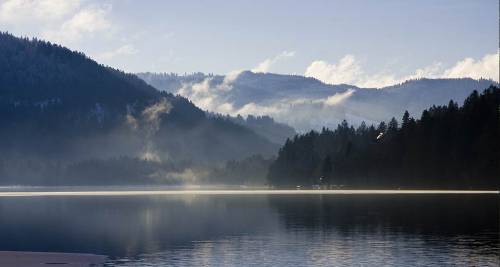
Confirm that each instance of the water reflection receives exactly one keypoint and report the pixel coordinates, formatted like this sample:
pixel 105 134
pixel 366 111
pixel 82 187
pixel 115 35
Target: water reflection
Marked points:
pixel 259 230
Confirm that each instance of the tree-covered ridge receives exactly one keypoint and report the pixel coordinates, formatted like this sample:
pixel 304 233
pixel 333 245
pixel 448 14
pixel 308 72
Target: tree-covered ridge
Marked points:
pixel 264 126
pixel 37 70
pixel 58 107
pixel 306 103
pixel 448 147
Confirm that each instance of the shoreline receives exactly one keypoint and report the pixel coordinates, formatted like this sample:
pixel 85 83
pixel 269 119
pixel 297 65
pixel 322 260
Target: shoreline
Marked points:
pixel 239 192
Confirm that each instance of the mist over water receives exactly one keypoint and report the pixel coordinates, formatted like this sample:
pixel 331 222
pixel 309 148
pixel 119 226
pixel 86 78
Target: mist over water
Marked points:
pixel 259 230
pixel 285 147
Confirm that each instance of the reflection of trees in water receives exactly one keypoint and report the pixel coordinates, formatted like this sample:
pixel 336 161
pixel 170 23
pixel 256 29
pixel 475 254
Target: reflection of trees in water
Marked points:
pixel 128 226
pixel 419 215
pixel 399 229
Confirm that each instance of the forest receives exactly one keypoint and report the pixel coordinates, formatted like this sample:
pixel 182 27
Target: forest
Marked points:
pixel 66 119
pixel 449 147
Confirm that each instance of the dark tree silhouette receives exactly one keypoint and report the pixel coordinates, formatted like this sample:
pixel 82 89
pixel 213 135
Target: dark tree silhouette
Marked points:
pixel 448 147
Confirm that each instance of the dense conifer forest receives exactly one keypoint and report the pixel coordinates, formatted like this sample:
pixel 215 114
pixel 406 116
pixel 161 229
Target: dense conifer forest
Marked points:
pixel 66 119
pixel 448 147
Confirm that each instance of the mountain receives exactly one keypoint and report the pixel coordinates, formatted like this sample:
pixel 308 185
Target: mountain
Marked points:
pixel 264 126
pixel 171 82
pixel 306 103
pixel 59 106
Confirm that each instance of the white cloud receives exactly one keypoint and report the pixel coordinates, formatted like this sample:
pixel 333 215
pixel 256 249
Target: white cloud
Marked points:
pixel 215 96
pixel 259 110
pixel 210 96
pixel 124 50
pixel 487 67
pixel 26 11
pixel 60 21
pixel 346 71
pixel 86 21
pixel 203 94
pixel 349 71
pixel 266 65
pixel 232 76
pixel 376 80
pixel 303 113
pixel 309 112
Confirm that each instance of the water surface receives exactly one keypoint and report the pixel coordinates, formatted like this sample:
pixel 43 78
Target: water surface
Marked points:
pixel 259 229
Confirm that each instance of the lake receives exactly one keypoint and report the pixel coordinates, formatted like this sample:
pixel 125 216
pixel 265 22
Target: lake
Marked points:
pixel 259 229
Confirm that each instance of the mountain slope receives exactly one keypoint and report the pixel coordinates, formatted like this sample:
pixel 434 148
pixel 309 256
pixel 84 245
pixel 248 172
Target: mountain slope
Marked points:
pixel 306 103
pixel 264 126
pixel 57 104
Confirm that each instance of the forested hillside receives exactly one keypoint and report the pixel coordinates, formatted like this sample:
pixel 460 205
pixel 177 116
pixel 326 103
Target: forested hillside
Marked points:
pixel 264 126
pixel 306 103
pixel 447 147
pixel 59 107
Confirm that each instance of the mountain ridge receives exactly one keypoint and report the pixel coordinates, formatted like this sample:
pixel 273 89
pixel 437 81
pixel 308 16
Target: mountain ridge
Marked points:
pixel 306 103
pixel 58 105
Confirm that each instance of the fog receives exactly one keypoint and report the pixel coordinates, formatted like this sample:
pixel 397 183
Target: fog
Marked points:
pixel 306 103
pixel 146 145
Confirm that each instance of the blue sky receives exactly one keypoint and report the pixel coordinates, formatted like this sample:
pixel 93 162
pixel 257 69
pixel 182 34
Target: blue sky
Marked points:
pixel 335 41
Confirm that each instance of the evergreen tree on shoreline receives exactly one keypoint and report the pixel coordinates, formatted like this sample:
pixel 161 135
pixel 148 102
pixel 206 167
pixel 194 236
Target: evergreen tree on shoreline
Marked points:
pixel 448 147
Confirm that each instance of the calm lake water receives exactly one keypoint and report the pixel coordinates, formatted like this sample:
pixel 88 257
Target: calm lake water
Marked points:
pixel 259 230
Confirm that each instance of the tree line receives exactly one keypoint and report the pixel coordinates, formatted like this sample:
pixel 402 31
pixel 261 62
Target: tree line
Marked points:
pixel 448 147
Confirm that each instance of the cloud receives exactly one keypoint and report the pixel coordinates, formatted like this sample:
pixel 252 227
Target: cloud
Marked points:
pixel 346 71
pixel 307 111
pixel 124 50
pixel 28 11
pixel 209 95
pixel 60 21
pixel 148 125
pixel 302 113
pixel 231 76
pixel 266 65
pixel 487 67
pixel 151 117
pixel 86 21
pixel 339 97
pixel 212 96
pixel 152 113
pixel 259 110
pixel 349 71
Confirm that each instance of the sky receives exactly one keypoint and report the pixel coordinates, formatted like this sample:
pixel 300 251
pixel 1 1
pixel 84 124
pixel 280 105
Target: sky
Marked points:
pixel 365 43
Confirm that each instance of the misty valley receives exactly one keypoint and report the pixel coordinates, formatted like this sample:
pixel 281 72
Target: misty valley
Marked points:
pixel 67 120
pixel 370 138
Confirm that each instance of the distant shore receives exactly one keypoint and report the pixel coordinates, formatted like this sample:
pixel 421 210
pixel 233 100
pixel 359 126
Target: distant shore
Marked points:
pixel 236 192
